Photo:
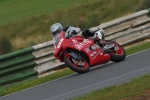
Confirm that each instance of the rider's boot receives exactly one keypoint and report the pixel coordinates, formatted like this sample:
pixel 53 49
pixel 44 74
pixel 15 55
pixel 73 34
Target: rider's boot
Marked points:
pixel 104 44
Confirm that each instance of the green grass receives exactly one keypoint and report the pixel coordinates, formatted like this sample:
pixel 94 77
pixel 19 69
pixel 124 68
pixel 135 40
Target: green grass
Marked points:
pixel 138 48
pixel 13 10
pixel 7 89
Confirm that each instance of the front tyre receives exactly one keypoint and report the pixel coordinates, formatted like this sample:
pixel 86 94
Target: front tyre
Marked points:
pixel 80 65
pixel 118 53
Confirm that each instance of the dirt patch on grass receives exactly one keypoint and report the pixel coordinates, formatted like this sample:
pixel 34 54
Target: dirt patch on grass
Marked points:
pixel 144 96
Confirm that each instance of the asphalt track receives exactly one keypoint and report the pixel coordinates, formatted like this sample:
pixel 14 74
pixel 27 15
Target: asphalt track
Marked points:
pixel 80 84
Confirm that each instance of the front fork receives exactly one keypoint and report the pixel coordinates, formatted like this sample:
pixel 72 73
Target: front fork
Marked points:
pixel 77 59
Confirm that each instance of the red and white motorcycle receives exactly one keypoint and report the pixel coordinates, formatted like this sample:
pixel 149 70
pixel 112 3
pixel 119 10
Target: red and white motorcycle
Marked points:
pixel 79 53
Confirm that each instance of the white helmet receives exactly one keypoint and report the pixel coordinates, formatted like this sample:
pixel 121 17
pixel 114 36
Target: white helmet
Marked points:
pixel 56 28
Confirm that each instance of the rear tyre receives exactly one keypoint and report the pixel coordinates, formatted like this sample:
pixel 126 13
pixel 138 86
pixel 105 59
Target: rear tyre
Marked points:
pixel 81 66
pixel 117 55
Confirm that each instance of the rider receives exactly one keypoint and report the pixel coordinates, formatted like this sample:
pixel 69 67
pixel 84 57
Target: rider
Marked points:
pixel 57 28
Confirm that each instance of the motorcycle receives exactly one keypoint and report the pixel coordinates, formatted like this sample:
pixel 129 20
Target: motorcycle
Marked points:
pixel 80 54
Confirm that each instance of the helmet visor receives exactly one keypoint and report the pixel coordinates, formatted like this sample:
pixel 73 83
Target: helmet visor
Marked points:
pixel 56 32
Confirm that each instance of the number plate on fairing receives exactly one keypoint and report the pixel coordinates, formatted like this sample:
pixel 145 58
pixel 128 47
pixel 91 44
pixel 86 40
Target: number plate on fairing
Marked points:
pixel 116 47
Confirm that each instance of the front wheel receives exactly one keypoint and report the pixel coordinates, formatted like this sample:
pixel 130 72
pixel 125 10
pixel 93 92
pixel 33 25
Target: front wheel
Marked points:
pixel 117 53
pixel 78 65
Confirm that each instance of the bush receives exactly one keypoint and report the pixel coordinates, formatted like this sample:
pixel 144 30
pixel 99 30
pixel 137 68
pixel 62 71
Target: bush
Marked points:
pixel 145 4
pixel 5 45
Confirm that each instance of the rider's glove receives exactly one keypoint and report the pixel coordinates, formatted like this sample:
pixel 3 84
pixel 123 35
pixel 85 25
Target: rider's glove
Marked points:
pixel 71 33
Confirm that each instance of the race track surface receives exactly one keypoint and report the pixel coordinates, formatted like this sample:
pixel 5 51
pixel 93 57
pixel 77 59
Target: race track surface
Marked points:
pixel 79 84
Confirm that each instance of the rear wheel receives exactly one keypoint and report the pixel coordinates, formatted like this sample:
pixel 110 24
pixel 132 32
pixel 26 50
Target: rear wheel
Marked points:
pixel 117 53
pixel 79 65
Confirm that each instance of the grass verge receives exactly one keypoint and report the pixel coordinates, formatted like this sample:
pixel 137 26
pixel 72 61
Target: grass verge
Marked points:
pixel 22 9
pixel 127 91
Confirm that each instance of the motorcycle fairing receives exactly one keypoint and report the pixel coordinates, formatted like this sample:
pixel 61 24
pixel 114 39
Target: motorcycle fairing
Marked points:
pixel 96 56
pixel 85 45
